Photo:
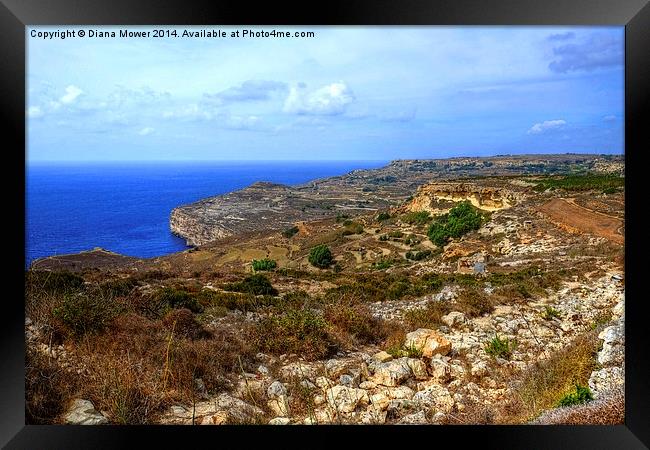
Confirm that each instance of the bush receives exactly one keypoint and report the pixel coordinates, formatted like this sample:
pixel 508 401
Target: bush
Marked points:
pixel 184 324
pixel 381 265
pixel 550 312
pixel 290 232
pixel 383 216
pixel 473 302
pixel 170 297
pixel 231 300
pixel 582 394
pixel 264 264
pixel 119 288
pixel 321 256
pixel 428 317
pixel 53 282
pixel 460 220
pixel 352 228
pixel 300 331
pixel 84 313
pixel 416 218
pixel 419 255
pixel 255 284
pixel 500 348
pixel 356 321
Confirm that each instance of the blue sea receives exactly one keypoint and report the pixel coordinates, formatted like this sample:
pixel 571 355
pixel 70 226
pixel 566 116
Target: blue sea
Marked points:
pixel 125 207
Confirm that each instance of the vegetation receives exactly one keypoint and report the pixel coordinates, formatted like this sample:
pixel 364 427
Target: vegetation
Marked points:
pixel 352 228
pixel 460 220
pixel 82 313
pixel 321 256
pixel 290 232
pixel 416 218
pixel 428 317
pixel 264 264
pixel 583 182
pixel 550 312
pixel 383 216
pixel 295 331
pixel 582 394
pixel 256 284
pixel 500 348
pixel 169 297
pixel 382 264
pixel 419 255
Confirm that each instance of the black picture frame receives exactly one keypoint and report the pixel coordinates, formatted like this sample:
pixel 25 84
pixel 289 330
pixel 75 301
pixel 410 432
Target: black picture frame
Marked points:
pixel 15 15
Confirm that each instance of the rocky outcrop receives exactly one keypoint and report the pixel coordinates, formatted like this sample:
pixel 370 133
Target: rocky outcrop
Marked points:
pixel 436 197
pixel 83 412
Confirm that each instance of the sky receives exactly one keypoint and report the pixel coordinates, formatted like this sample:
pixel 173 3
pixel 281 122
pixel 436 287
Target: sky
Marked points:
pixel 347 93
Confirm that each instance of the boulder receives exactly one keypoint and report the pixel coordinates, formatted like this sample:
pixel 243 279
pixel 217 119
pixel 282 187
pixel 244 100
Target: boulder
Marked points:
pixel 418 418
pixel 440 369
pixel 453 319
pixel 435 396
pixel 276 389
pixel 418 367
pixel 428 341
pixel 382 356
pixel 345 399
pixel 83 412
pixel 392 373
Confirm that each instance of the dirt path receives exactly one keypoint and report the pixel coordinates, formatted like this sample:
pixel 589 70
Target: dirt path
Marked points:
pixel 566 212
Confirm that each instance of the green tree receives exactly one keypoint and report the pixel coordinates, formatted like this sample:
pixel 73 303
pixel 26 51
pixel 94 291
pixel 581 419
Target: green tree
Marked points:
pixel 321 256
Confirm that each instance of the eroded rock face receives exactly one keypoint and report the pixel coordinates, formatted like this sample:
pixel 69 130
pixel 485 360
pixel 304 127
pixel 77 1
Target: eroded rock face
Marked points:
pixel 436 197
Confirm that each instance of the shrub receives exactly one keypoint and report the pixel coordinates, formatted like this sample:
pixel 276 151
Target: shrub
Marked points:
pixel 353 228
pixel 184 324
pixel 581 394
pixel 53 281
pixel 254 284
pixel 550 312
pixel 290 232
pixel 170 297
pixel 120 287
pixel 428 317
pixel 381 265
pixel 85 313
pixel 460 220
pixel 500 348
pixel 473 302
pixel 396 234
pixel 320 256
pixel 356 321
pixel 416 218
pixel 419 255
pixel 264 264
pixel 383 216
pixel 231 300
pixel 299 331
pixel 342 218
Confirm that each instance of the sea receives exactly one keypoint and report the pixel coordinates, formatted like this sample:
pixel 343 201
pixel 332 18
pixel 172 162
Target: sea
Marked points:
pixel 124 207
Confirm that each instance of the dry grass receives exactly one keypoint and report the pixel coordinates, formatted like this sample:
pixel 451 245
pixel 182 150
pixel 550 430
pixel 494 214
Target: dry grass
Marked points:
pixel 428 317
pixel 473 302
pixel 609 409
pixel 546 382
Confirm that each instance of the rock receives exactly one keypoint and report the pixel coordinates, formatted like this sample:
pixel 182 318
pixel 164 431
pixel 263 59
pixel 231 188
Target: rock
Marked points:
pixel 306 384
pixel 345 399
pixel 380 399
pixel 346 380
pixel 367 385
pixel 613 351
pixel 279 405
pixel 83 412
pixel 298 370
pixel 372 416
pixel 418 418
pixel 280 421
pixel 276 389
pixel 323 382
pixel 418 367
pixel 453 319
pixel 428 341
pixel 263 370
pixel 435 396
pixel 479 369
pixel 440 369
pixel 318 399
pixel 337 367
pixel 392 373
pixel 382 356
pixel 606 379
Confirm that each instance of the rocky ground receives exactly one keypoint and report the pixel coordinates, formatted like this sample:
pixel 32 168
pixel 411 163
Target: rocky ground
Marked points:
pixel 496 326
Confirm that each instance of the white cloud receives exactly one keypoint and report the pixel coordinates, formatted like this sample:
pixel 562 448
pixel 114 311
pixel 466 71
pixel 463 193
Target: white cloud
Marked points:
pixel 34 112
pixel 145 131
pixel 610 118
pixel 331 99
pixel 546 125
pixel 71 94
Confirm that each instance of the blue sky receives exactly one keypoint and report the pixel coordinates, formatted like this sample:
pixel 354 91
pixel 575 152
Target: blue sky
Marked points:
pixel 360 93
